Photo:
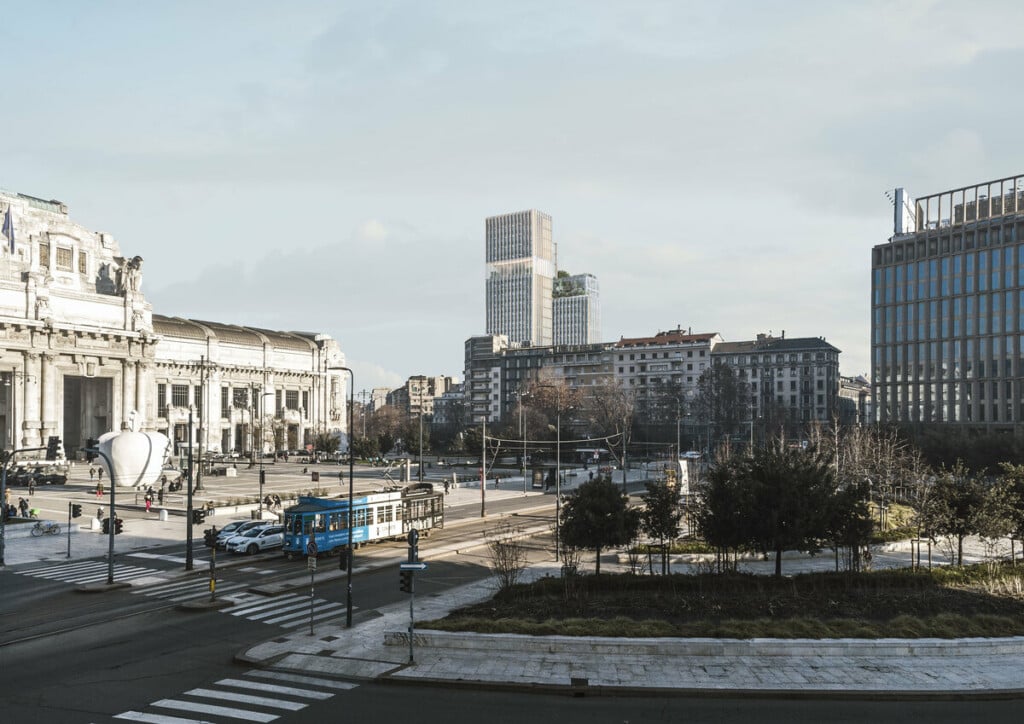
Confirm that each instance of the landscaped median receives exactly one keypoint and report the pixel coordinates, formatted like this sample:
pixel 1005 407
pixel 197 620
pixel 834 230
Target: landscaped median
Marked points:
pixel 943 603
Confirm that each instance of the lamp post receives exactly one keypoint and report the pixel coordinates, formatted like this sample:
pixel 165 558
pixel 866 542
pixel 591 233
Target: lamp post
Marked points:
pixel 558 468
pixel 420 474
pixel 522 433
pixel 263 395
pixel 351 496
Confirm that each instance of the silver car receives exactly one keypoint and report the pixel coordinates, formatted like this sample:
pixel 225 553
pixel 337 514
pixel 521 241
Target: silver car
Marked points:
pixel 257 539
pixel 236 528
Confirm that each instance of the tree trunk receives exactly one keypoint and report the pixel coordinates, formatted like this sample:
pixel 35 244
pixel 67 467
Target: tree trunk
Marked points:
pixel 778 561
pixel 959 550
pixel 597 568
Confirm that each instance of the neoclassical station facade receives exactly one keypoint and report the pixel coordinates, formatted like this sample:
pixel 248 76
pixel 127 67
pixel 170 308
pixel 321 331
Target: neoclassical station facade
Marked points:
pixel 82 352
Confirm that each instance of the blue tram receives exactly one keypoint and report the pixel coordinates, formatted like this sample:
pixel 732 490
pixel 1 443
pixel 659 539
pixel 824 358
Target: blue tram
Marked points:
pixel 377 516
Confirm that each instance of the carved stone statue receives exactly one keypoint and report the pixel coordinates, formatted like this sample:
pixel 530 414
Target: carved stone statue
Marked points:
pixel 129 274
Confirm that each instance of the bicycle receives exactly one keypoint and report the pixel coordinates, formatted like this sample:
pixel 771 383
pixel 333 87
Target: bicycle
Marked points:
pixel 49 528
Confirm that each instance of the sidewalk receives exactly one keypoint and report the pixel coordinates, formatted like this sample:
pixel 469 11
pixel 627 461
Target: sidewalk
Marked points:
pixel 378 648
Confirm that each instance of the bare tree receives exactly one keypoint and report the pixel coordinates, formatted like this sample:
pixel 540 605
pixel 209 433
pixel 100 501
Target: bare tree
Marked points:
pixel 507 554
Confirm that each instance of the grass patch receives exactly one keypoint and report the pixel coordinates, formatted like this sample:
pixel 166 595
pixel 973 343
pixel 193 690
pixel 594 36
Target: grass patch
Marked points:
pixel 982 600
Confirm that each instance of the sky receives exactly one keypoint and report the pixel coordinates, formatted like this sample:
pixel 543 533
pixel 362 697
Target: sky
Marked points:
pixel 328 166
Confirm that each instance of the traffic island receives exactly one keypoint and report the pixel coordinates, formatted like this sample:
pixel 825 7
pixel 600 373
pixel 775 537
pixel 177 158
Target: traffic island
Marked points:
pixel 102 587
pixel 214 605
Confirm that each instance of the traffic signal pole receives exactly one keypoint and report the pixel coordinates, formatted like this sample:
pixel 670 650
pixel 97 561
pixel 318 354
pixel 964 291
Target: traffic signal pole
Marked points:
pixel 113 514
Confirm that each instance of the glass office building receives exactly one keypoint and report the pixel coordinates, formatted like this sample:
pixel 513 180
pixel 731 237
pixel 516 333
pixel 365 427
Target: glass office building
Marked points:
pixel 947 294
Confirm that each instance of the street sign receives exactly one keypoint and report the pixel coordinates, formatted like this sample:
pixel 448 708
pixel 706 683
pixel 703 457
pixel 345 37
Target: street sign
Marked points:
pixel 311 548
pixel 311 563
pixel 418 566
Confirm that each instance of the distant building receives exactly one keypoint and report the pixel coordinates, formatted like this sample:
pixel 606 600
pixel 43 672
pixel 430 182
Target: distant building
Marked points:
pixel 577 310
pixel 664 366
pixel 417 395
pixel 947 310
pixel 521 260
pixel 798 376
pixel 855 401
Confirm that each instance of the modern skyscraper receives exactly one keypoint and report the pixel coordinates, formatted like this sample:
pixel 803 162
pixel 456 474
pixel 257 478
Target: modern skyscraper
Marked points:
pixel 521 264
pixel 577 310
pixel 947 303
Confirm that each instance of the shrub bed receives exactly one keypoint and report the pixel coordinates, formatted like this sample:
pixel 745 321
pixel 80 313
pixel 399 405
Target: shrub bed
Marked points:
pixel 944 603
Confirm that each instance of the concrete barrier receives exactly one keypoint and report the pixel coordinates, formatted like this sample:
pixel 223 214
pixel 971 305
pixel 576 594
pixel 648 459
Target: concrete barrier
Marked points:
pixel 670 647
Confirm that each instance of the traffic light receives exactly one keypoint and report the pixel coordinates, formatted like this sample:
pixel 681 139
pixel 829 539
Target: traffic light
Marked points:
pixel 198 517
pixel 118 526
pixel 406 584
pixel 210 537
pixel 91 444
pixel 76 510
pixel 52 447
pixel 106 525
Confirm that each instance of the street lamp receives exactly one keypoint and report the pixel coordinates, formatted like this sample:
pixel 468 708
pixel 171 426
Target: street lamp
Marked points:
pixel 522 433
pixel 263 395
pixel 558 467
pixel 351 496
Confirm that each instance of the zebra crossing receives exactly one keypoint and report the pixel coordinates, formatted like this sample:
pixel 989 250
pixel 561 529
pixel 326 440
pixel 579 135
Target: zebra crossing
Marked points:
pixel 288 611
pixel 279 693
pixel 84 572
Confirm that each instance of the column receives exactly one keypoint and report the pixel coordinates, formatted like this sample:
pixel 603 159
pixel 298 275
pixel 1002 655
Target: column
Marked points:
pixel 48 383
pixel 128 373
pixel 143 384
pixel 31 421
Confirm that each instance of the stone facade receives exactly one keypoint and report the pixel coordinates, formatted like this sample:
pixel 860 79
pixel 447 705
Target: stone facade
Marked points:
pixel 81 351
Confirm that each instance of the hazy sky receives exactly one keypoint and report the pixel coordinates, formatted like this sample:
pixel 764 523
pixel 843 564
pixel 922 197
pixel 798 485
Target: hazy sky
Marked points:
pixel 328 165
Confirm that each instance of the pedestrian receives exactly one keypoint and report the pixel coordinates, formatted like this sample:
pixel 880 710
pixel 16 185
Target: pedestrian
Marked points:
pixel 99 513
pixel 92 472
pixel 277 502
pixel 497 481
pixel 160 493
pixel 99 489
pixel 99 473
pixel 23 507
pixel 446 485
pixel 32 485
pixel 149 499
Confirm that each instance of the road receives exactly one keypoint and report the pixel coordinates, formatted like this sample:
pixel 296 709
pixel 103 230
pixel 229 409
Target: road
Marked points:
pixel 70 657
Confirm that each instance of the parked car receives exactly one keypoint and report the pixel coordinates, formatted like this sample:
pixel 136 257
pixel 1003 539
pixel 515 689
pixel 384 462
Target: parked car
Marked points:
pixel 254 540
pixel 236 528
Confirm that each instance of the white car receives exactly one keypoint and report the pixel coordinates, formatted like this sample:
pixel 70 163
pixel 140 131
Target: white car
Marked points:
pixel 255 540
pixel 236 528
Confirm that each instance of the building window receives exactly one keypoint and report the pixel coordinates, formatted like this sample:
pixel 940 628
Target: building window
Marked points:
pixel 65 258
pixel 161 400
pixel 179 395
pixel 291 399
pixel 240 397
pixel 305 401
pixel 44 255
pixel 82 269
pixel 225 402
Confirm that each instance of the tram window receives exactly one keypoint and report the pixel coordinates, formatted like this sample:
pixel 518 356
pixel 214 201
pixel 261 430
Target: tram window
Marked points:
pixel 389 513
pixel 307 525
pixel 343 523
pixel 321 523
pixel 398 512
pixel 381 517
pixel 334 521
pixel 360 518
